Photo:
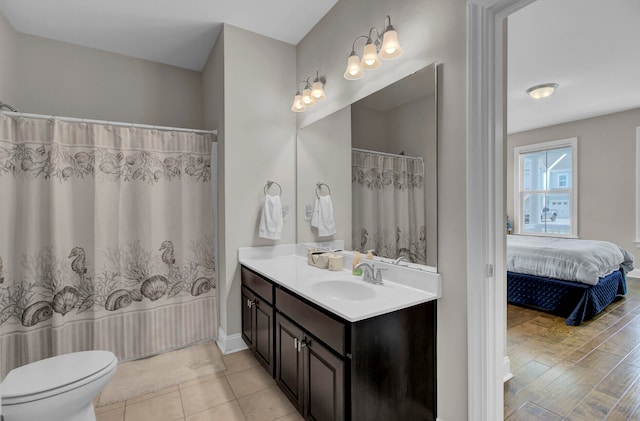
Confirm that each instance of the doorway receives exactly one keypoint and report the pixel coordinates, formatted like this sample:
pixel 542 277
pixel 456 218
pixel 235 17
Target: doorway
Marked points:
pixel 486 143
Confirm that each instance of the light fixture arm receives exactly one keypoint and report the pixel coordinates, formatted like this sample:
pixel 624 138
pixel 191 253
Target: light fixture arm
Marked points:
pixel 353 47
pixel 373 28
pixel 388 18
pixel 307 82
pixel 386 27
pixel 300 84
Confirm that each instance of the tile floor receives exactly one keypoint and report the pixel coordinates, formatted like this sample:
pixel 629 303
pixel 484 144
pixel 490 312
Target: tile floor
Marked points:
pixel 242 392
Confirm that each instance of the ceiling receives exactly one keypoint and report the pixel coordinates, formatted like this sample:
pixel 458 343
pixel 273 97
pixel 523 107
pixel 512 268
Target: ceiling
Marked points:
pixel 588 47
pixel 176 32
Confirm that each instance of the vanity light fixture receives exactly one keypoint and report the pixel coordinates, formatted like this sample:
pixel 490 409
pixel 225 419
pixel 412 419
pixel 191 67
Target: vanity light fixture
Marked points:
pixel 542 91
pixel 384 46
pixel 312 92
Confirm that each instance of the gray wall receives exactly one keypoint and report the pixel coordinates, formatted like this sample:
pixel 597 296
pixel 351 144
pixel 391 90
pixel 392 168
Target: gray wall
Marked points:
pixel 64 79
pixel 606 174
pixel 369 129
pixel 329 138
pixel 8 61
pixel 429 30
pixel 213 118
pixel 258 145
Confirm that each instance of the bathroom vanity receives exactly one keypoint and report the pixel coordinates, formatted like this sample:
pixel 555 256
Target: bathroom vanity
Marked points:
pixel 338 347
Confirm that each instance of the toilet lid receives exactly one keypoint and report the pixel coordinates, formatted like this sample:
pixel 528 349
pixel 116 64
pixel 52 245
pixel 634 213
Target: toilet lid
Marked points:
pixel 54 373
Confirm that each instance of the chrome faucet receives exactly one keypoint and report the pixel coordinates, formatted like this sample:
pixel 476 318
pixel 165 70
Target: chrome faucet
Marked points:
pixel 367 271
pixel 400 259
pixel 378 278
pixel 370 274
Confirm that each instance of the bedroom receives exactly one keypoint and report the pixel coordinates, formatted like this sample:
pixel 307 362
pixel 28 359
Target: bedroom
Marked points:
pixel 542 347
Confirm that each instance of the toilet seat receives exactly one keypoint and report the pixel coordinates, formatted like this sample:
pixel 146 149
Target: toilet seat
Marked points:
pixel 52 376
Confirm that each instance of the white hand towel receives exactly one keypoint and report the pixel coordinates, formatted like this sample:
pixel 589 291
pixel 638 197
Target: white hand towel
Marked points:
pixel 271 221
pixel 322 217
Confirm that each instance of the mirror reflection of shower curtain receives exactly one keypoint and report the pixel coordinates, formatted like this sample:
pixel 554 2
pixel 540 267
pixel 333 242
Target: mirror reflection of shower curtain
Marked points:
pixel 107 239
pixel 388 205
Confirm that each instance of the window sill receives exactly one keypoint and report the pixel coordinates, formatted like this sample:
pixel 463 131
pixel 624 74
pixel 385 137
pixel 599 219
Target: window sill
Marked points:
pixel 539 234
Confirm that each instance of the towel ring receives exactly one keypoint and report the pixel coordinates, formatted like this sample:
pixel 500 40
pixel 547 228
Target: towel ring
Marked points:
pixel 268 186
pixel 319 188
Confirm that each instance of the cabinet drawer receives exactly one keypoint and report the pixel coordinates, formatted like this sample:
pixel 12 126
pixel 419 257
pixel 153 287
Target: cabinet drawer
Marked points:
pixel 323 327
pixel 257 284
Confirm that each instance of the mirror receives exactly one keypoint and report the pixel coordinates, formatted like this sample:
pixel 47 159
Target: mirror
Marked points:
pixel 378 157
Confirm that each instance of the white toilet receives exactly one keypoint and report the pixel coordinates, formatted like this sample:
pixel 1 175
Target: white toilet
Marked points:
pixel 57 389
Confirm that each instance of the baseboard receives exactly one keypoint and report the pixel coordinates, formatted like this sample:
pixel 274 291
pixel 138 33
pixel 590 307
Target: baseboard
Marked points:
pixel 229 344
pixel 506 369
pixel 634 273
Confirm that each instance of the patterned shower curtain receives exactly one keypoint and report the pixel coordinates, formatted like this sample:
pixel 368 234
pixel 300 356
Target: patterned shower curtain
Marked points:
pixel 388 205
pixel 106 239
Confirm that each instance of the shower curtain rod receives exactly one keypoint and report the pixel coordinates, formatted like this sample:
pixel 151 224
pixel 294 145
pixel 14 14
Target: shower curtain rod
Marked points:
pixel 395 155
pixel 110 123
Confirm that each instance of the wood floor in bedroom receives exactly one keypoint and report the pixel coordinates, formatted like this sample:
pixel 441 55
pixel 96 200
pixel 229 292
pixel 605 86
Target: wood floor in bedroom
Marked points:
pixel 587 372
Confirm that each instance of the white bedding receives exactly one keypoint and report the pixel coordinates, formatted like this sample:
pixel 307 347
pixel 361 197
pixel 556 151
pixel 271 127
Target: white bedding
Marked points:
pixel 584 261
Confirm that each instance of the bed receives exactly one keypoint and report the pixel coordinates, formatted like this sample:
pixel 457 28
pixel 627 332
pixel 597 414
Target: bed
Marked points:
pixel 571 278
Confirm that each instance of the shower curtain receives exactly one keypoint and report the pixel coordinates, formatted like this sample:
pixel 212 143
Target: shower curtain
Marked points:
pixel 388 205
pixel 106 239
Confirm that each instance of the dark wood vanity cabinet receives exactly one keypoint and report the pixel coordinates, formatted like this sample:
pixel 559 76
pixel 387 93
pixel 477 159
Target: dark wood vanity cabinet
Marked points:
pixel 378 369
pixel 258 318
pixel 309 374
pixel 290 360
pixel 393 365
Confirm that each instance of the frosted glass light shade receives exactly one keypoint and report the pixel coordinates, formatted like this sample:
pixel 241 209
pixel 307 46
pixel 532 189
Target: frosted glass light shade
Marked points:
pixel 298 106
pixel 370 58
pixel 542 91
pixel 390 48
pixel 307 98
pixel 317 91
pixel 353 71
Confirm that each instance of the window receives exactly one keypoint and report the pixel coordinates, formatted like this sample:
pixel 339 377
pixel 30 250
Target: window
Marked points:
pixel 563 180
pixel 545 189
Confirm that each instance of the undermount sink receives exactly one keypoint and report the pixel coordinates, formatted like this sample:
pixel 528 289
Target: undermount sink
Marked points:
pixel 345 290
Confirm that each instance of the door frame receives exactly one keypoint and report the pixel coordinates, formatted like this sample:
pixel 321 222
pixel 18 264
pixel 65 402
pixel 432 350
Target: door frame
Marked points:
pixel 488 365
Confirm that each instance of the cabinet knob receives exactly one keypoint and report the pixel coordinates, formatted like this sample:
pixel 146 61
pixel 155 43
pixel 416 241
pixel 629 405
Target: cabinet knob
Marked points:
pixel 295 343
pixel 250 303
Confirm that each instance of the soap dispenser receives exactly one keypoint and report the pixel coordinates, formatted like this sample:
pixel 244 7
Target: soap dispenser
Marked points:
pixel 356 262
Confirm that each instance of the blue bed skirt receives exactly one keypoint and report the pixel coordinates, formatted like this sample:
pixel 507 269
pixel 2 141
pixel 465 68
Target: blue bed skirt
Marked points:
pixel 573 300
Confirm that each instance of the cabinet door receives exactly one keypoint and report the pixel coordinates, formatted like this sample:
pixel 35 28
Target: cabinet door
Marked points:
pixel 324 383
pixel 289 360
pixel 263 334
pixel 248 322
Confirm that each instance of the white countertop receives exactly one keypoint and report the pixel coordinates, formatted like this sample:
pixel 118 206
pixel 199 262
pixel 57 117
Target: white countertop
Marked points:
pixel 285 265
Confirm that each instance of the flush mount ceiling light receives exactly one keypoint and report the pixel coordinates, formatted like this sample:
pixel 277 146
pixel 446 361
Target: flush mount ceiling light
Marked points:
pixel 312 92
pixel 384 46
pixel 542 91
